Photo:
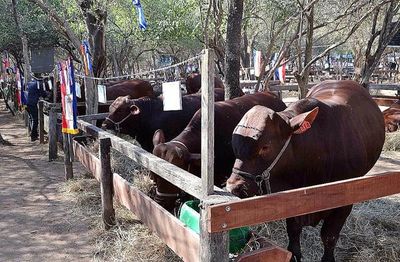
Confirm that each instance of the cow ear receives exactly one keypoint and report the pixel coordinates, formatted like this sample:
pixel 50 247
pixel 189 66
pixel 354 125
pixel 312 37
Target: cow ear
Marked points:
pixel 158 137
pixel 302 122
pixel 135 110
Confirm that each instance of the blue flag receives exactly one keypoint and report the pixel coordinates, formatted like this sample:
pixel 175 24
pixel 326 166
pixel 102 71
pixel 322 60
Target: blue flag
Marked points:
pixel 141 18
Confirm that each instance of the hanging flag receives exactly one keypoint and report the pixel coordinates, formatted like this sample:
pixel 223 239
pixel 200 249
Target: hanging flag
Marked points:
pixel 280 73
pixel 20 92
pixel 87 59
pixel 68 97
pixel 257 63
pixel 6 62
pixel 141 18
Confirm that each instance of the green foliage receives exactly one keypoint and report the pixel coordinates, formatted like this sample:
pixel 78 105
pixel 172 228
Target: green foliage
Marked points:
pixel 33 22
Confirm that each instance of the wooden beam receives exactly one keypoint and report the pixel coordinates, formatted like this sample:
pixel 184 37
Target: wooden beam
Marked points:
pixel 301 201
pixel 207 122
pixel 93 117
pixel 52 133
pixel 385 86
pixel 41 122
pixel 173 174
pixel 88 160
pixel 271 253
pixel 69 173
pixel 106 184
pixel 385 101
pixel 183 241
pixel 214 247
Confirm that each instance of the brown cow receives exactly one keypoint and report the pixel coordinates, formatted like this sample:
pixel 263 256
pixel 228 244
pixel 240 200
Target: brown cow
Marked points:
pixel 193 83
pixel 392 117
pixel 335 133
pixel 134 88
pixel 183 151
pixel 140 118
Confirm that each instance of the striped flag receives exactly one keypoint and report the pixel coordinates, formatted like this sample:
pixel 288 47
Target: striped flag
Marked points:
pixel 87 59
pixel 141 18
pixel 68 97
pixel 280 73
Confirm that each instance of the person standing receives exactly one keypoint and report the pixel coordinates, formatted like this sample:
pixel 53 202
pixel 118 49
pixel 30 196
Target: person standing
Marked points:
pixel 35 91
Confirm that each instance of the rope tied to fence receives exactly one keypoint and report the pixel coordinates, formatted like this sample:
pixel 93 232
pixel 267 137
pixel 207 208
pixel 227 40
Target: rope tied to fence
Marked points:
pixel 162 69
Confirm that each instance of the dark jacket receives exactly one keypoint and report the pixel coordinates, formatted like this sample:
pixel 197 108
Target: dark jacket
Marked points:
pixel 34 92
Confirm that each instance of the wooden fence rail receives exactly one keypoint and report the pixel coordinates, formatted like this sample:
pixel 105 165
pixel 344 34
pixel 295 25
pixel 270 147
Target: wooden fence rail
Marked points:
pixel 301 201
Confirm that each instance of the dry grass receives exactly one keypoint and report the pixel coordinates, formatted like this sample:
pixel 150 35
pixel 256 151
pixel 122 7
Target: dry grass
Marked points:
pixel 129 240
pixel 392 142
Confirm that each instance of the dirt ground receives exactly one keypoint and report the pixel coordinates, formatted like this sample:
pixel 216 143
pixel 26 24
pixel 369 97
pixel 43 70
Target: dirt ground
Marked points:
pixel 36 223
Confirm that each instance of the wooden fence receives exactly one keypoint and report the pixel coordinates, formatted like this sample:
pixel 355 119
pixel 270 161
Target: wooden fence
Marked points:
pixel 220 211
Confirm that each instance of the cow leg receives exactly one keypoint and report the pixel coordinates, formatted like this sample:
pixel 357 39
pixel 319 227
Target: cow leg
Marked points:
pixel 331 229
pixel 294 229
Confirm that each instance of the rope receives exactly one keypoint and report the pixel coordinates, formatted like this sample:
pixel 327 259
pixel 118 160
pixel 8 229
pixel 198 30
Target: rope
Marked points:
pixel 145 72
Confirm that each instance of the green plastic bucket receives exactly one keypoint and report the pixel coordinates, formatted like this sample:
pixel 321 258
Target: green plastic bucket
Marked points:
pixel 190 216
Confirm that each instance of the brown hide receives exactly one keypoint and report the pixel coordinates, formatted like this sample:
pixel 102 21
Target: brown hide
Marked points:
pixel 193 83
pixel 185 153
pixel 149 116
pixel 134 88
pixel 341 134
pixel 392 117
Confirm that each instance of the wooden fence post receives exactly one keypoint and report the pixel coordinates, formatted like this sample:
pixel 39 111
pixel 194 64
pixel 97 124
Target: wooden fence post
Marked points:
pixel 41 122
pixel 214 247
pixel 52 133
pixel 27 122
pixel 106 185
pixel 69 174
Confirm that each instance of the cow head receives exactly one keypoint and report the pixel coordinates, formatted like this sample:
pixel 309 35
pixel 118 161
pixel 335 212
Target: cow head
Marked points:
pixel 121 110
pixel 178 154
pixel 259 141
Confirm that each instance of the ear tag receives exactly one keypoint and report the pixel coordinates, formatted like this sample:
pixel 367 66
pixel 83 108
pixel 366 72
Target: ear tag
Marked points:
pixel 303 128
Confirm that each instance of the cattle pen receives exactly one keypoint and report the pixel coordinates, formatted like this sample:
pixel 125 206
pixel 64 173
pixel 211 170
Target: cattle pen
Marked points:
pixel 220 211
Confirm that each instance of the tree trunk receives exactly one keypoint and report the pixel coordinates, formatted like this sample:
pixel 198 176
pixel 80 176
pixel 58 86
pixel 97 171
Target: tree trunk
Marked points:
pixel 24 41
pixel 245 50
pixel 384 35
pixel 232 50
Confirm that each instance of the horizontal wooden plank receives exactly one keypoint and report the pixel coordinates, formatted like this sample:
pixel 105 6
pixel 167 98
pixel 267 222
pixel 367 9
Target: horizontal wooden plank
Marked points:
pixel 385 101
pixel 93 117
pixel 271 253
pixel 88 160
pixel 301 201
pixel 184 242
pixel 385 86
pixel 177 176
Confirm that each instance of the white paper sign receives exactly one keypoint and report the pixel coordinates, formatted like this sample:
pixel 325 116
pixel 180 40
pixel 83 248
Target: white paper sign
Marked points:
pixel 172 96
pixel 78 90
pixel 102 93
pixel 69 113
pixel 50 84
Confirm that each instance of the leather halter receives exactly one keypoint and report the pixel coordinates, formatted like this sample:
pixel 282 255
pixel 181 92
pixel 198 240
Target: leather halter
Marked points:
pixel 117 124
pixel 264 177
